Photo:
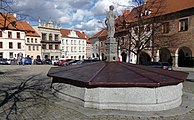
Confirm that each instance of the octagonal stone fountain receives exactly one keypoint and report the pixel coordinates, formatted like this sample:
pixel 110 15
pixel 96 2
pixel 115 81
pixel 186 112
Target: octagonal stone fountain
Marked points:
pixel 120 86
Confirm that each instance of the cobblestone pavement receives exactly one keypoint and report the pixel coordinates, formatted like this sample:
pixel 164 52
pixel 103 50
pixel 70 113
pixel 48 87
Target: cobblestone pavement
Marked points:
pixel 25 94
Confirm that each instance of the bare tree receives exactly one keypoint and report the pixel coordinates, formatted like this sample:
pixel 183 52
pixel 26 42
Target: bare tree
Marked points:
pixel 7 18
pixel 141 24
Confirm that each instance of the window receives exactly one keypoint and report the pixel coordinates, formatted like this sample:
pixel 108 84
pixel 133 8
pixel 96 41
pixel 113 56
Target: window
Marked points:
pixel 18 35
pixel 50 47
pixel 56 37
pixel 67 49
pixel 44 46
pixel 19 45
pixel 32 40
pixel 37 48
pixel 165 27
pixel 28 40
pixel 56 47
pixel 74 42
pixel 66 42
pixel 1 44
pixel 83 49
pixel 50 37
pixel 71 42
pixel 10 45
pixel 33 47
pixel 29 48
pixel 43 36
pixel 1 55
pixel 11 55
pixel 183 24
pixel 9 34
pixel 101 43
pixel 35 40
pixel 0 33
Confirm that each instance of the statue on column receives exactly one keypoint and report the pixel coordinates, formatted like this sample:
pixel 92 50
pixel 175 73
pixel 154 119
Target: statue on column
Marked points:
pixel 110 22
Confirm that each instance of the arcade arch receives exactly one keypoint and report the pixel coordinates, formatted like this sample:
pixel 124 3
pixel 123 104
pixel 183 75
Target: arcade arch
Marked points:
pixel 165 55
pixel 144 58
pixel 184 57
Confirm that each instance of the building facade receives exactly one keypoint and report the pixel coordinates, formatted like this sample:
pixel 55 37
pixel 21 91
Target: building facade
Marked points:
pixel 171 41
pixel 50 36
pixel 12 44
pixel 12 37
pixel 32 42
pixel 73 44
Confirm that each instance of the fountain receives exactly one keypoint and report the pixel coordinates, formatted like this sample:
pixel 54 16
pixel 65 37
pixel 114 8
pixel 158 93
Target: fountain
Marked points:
pixel 117 85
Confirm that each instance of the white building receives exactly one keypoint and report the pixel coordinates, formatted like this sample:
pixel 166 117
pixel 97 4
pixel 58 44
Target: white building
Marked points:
pixel 73 44
pixel 12 38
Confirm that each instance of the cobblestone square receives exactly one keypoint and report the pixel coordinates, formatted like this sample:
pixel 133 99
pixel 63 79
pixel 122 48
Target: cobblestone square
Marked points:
pixel 25 94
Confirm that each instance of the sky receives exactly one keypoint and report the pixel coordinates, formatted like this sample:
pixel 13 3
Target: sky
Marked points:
pixel 85 15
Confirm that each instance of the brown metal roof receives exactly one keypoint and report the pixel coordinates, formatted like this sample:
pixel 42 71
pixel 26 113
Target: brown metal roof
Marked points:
pixel 115 74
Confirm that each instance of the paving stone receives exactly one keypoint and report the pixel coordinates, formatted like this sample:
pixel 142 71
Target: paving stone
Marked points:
pixel 44 107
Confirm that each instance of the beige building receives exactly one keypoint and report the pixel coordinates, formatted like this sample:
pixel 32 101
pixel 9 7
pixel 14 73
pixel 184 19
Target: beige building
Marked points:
pixel 50 37
pixel 32 42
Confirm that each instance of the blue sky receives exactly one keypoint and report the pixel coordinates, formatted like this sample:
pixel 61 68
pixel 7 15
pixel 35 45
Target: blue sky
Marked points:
pixel 85 15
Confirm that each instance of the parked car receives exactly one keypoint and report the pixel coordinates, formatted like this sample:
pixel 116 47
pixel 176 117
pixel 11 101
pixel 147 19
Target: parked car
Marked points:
pixel 71 62
pixel 25 61
pixel 62 62
pixel 47 61
pixel 55 62
pixel 4 61
pixel 77 62
pixel 163 65
pixel 38 62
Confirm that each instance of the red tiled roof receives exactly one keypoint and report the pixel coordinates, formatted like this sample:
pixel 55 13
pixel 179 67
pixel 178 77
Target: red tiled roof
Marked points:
pixel 101 34
pixel 29 30
pixel 66 32
pixel 6 21
pixel 161 7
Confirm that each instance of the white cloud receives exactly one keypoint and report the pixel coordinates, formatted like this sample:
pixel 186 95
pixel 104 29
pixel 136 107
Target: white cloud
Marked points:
pixel 102 6
pixel 79 14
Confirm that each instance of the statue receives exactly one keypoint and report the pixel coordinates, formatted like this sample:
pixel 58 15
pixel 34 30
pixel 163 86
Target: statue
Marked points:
pixel 110 22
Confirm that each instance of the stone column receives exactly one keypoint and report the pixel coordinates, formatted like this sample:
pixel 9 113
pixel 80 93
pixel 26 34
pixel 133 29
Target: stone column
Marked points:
pixel 111 49
pixel 157 56
pixel 176 60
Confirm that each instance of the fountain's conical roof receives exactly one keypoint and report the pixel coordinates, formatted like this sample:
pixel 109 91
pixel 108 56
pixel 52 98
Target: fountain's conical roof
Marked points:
pixel 115 74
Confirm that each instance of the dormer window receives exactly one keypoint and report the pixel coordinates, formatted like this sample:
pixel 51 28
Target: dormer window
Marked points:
pixel 146 12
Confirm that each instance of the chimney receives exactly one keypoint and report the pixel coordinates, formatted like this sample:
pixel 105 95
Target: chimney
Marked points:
pixel 15 15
